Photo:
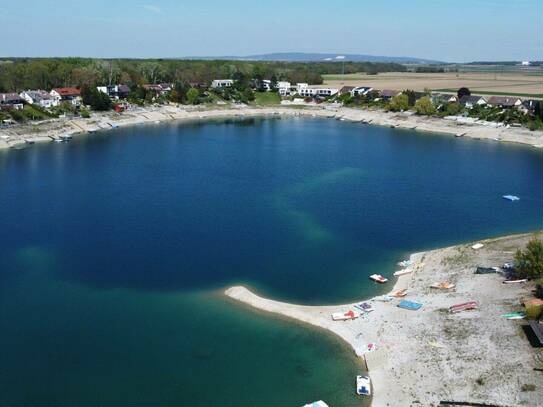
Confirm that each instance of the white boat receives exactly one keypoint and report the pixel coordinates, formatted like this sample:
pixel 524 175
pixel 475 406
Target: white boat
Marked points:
pixel 319 403
pixel 512 198
pixel 520 281
pixel 378 278
pixel 344 316
pixel 404 263
pixel 402 272
pixel 363 385
pixel 477 246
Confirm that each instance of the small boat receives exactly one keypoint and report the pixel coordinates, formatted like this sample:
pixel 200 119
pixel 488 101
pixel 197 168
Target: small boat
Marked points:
pixel 409 305
pixel 517 281
pixel 487 270
pixel 384 298
pixel 477 246
pixel 399 293
pixel 463 307
pixel 402 272
pixel 319 403
pixel 378 278
pixel 345 316
pixel 363 385
pixel 405 263
pixel 514 315
pixel 364 307
pixel 511 198
pixel 444 285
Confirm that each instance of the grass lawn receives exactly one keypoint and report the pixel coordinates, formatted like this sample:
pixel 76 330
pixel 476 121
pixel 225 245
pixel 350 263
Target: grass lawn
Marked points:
pixel 267 98
pixel 485 92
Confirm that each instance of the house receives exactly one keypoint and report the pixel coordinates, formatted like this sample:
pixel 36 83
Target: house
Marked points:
pixel 222 83
pixel 470 101
pixel 440 99
pixel 504 102
pixel 41 98
pixel 531 107
pixel 387 94
pixel 283 88
pixel 70 95
pixel 160 88
pixel 306 90
pixel 10 101
pixel 115 91
pixel 361 91
pixel 346 89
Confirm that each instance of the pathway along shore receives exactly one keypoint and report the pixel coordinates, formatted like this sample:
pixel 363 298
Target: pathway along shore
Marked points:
pixel 429 356
pixel 19 135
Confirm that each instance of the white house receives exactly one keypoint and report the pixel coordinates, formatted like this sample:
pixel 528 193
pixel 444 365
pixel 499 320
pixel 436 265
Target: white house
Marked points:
pixel 361 91
pixel 222 83
pixel 525 63
pixel 310 91
pixel 115 91
pixel 71 95
pixel 283 88
pixel 39 97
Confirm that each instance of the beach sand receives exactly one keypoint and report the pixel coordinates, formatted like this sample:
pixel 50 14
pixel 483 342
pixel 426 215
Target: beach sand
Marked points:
pixel 428 356
pixel 17 136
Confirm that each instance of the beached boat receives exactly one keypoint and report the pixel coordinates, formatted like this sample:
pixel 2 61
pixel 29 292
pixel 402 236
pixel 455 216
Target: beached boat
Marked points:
pixel 378 278
pixel 516 281
pixel 384 298
pixel 399 293
pixel 514 315
pixel 405 263
pixel 463 307
pixel 409 305
pixel 511 198
pixel 319 403
pixel 403 272
pixel 477 246
pixel 487 270
pixel 364 307
pixel 444 285
pixel 344 316
pixel 363 385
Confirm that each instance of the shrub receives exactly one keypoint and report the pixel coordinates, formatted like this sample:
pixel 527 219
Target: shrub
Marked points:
pixel 85 114
pixel 399 103
pixel 425 106
pixel 529 263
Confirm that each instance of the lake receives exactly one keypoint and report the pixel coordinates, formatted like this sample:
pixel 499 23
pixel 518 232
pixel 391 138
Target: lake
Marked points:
pixel 116 248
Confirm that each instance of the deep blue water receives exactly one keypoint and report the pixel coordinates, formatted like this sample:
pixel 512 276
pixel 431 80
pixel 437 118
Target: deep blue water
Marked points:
pixel 113 248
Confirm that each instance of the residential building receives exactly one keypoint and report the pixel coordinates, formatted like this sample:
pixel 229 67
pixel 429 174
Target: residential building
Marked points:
pixel 531 107
pixel 70 95
pixel 470 101
pixel 283 88
pixel 10 101
pixel 504 102
pixel 388 94
pixel 306 90
pixel 222 83
pixel 440 99
pixel 41 98
pixel 346 89
pixel 361 91
pixel 115 91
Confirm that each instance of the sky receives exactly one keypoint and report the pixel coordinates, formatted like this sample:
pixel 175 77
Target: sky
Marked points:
pixel 445 30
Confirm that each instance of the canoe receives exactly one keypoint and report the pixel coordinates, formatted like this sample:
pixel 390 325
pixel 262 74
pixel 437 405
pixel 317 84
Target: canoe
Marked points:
pixel 399 293
pixel 402 272
pixel 463 307
pixel 514 315
pixel 520 281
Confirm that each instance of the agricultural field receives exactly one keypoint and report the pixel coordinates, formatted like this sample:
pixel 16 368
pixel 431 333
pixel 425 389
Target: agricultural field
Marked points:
pixel 527 83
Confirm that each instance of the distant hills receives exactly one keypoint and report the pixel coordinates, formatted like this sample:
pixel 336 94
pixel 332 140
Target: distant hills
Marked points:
pixel 322 57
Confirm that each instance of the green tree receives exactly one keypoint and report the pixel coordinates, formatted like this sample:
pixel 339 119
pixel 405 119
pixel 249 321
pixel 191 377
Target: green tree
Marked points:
pixel 192 96
pixel 529 262
pixel 399 103
pixel 424 106
pixel 453 109
pixel 95 99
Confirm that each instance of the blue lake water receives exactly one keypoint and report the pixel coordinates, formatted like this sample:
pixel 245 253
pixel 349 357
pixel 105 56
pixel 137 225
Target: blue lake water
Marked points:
pixel 115 248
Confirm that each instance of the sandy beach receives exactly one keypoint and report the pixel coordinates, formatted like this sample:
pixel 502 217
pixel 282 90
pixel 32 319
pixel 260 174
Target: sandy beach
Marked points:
pixel 18 136
pixel 428 356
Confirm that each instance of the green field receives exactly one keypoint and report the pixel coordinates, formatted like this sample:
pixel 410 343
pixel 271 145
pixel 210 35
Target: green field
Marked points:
pixel 267 98
pixel 483 92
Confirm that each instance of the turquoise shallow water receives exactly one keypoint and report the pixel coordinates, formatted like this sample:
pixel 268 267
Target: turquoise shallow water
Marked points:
pixel 115 249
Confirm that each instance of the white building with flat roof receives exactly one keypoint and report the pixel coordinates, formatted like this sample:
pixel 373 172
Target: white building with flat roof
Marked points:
pixel 222 83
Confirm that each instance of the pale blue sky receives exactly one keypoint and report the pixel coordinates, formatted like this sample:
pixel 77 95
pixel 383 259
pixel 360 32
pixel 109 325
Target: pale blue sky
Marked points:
pixel 449 30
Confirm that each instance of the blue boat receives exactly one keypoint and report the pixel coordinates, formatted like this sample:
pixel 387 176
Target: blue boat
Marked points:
pixel 410 305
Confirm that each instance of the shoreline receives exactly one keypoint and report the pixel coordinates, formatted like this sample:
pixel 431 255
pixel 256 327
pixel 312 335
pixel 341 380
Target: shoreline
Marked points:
pixel 466 350
pixel 19 136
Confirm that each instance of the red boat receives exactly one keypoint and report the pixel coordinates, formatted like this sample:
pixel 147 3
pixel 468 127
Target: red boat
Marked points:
pixel 464 307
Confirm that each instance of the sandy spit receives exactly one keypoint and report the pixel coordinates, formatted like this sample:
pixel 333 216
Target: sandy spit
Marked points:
pixel 428 356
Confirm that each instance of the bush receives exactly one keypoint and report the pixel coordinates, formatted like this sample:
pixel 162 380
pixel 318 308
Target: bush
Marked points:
pixel 536 124
pixel 424 106
pixel 85 114
pixel 529 263
pixel 399 103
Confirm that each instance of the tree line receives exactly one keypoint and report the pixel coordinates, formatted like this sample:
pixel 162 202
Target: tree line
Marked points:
pixel 17 74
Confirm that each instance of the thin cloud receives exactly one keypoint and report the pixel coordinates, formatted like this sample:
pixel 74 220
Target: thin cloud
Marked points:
pixel 152 8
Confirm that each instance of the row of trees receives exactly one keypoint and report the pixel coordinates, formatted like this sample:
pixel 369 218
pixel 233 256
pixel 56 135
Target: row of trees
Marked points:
pixel 17 74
